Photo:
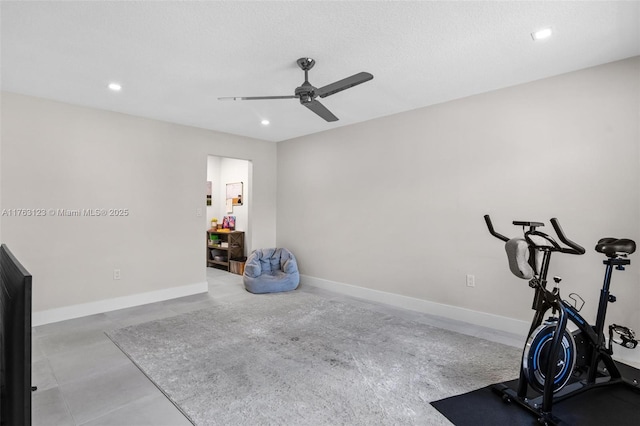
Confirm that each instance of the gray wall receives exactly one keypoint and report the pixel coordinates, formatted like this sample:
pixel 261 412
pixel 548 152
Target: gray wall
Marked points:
pixel 392 206
pixel 59 156
pixel 396 204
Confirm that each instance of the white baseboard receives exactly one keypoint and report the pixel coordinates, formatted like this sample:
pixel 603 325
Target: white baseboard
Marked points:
pixel 92 308
pixel 456 313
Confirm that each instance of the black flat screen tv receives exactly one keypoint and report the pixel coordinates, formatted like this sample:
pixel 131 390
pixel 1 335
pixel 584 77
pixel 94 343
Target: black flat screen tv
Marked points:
pixel 15 341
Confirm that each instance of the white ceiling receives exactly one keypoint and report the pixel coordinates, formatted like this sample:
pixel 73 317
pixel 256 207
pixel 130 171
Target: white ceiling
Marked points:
pixel 174 59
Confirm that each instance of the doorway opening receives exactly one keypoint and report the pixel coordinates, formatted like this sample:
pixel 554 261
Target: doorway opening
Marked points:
pixel 229 190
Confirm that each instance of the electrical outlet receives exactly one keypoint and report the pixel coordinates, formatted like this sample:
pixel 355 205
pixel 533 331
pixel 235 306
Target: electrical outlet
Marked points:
pixel 199 212
pixel 471 280
pixel 116 274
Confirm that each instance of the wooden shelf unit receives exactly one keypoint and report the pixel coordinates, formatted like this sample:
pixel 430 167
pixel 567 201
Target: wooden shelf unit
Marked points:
pixel 234 249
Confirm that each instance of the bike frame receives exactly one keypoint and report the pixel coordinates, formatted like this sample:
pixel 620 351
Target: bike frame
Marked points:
pixel 545 299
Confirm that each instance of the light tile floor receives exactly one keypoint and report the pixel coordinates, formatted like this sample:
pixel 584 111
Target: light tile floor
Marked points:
pixel 84 379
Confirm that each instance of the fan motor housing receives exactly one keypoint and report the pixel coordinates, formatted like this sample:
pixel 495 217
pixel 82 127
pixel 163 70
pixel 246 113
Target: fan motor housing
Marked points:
pixel 305 93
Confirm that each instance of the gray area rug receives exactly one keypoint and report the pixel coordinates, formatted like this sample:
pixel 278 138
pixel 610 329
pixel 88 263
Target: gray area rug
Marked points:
pixel 301 359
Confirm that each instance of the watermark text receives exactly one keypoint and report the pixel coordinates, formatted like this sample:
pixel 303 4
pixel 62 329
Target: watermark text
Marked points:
pixel 59 212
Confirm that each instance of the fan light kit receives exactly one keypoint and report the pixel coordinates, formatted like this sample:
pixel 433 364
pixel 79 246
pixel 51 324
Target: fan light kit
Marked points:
pixel 308 93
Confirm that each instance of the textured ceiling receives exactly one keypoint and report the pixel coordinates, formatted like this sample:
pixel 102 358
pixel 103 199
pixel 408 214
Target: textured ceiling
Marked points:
pixel 174 59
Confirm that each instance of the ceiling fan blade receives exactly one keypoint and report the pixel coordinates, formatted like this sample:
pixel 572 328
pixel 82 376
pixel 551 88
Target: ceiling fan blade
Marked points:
pixel 343 84
pixel 321 110
pixel 254 98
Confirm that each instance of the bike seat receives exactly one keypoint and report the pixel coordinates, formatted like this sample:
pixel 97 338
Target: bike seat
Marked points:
pixel 613 246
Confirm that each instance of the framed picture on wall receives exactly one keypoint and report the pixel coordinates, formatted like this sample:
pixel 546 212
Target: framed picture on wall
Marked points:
pixel 209 185
pixel 234 193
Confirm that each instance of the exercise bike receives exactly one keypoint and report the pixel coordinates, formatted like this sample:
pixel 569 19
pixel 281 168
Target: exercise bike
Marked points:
pixel 557 363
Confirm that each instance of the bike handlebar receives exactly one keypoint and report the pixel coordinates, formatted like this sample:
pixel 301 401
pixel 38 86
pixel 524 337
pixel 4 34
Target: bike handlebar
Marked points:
pixel 574 248
pixel 492 231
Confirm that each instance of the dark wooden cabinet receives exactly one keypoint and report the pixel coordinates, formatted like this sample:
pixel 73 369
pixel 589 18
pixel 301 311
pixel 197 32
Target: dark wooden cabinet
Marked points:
pixel 223 247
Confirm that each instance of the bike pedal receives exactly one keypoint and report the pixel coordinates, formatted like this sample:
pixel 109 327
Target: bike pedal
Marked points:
pixel 625 336
pixel 628 343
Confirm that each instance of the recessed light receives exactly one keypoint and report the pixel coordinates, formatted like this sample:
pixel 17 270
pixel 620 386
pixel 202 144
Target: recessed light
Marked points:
pixel 115 87
pixel 265 122
pixel 542 34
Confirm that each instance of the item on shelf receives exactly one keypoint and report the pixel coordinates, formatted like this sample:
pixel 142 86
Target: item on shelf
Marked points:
pixel 214 223
pixel 220 258
pixel 236 265
pixel 229 222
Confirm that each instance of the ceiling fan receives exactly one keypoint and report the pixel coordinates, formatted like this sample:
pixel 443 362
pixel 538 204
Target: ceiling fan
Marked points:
pixel 308 93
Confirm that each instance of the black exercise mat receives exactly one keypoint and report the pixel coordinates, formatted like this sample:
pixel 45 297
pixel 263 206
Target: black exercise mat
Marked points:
pixel 612 405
